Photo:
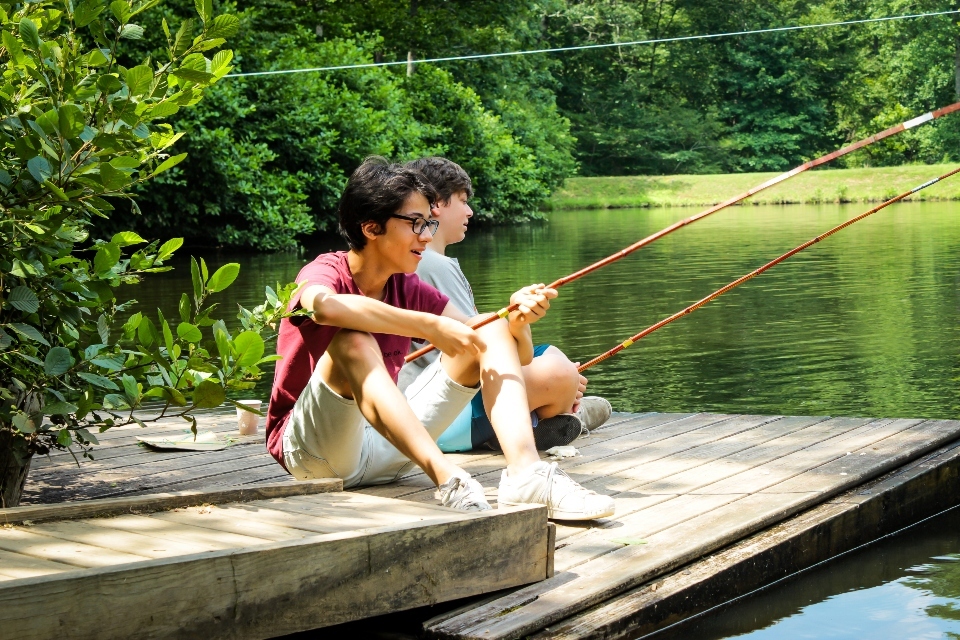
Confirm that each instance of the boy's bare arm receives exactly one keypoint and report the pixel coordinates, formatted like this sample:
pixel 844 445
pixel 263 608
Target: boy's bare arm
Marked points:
pixel 366 314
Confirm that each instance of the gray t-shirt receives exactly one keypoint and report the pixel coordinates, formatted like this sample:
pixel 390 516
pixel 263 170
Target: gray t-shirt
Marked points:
pixel 443 274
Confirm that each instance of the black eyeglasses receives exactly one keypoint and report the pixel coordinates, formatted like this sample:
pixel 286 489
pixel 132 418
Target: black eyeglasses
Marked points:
pixel 419 224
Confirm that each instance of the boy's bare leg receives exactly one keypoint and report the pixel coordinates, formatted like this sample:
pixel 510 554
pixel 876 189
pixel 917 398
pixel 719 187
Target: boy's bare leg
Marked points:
pixel 353 367
pixel 504 392
pixel 552 384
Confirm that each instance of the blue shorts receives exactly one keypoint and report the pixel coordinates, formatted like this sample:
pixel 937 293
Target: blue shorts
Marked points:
pixel 472 427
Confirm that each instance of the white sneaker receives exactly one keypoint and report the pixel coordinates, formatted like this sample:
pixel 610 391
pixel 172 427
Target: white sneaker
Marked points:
pixel 593 411
pixel 464 494
pixel 544 483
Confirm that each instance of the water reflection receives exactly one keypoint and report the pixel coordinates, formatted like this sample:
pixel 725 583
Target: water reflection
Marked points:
pixel 903 587
pixel 865 323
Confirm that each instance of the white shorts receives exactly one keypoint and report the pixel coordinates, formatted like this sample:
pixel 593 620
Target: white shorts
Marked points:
pixel 327 436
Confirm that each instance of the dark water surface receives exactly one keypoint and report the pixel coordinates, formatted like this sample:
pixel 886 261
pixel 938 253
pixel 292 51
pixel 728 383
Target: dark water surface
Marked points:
pixel 867 323
pixel 904 587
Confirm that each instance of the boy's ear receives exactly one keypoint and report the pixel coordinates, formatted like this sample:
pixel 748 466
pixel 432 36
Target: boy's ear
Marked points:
pixel 371 229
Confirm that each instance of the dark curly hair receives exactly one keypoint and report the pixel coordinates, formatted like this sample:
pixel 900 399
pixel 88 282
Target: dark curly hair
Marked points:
pixel 375 191
pixel 446 176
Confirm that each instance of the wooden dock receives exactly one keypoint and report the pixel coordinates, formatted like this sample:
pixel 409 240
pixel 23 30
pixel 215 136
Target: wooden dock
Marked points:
pixel 700 498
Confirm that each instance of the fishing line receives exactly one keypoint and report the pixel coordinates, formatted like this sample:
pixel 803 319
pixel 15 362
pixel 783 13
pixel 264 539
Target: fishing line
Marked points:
pixel 736 283
pixel 909 124
pixel 795 574
pixel 632 43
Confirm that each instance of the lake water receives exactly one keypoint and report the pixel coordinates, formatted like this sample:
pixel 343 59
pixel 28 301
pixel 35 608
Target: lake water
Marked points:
pixel 866 323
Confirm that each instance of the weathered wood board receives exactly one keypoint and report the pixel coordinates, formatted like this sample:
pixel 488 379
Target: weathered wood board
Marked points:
pixel 282 562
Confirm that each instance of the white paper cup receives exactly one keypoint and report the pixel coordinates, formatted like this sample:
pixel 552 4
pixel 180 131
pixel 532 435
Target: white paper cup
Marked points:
pixel 248 421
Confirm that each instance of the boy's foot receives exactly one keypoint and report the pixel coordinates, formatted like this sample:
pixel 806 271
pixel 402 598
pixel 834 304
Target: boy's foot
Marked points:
pixel 464 494
pixel 544 483
pixel 593 411
pixel 557 431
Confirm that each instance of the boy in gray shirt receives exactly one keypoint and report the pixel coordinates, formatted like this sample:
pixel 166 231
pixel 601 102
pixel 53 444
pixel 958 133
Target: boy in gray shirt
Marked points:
pixel 559 410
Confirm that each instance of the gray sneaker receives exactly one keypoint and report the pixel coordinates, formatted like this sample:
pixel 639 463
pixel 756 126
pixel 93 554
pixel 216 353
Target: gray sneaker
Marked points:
pixel 464 494
pixel 593 411
pixel 544 483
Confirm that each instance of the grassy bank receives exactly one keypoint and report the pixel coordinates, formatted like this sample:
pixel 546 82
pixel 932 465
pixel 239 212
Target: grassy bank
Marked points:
pixel 824 185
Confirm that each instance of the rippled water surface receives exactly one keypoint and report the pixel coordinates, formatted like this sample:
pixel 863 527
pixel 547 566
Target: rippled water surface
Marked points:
pixel 865 323
pixel 905 587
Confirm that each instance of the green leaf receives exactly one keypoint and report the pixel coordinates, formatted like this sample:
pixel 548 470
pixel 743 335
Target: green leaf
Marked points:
pixel 223 277
pixel 184 309
pixel 147 332
pixel 195 277
pixel 628 541
pixel 103 329
pixel 192 75
pixel 59 408
pixel 29 332
pixel 96 58
pixel 39 168
pixel 64 439
pixel 221 59
pixel 223 26
pixel 169 163
pixel 29 33
pixel 131 325
pixel 109 364
pixel 126 238
pixel 131 32
pixel 125 162
pixel 71 120
pixel 131 389
pixel 49 122
pixel 138 79
pixel 115 401
pixel 204 9
pixel 174 396
pixel 113 179
pixel 168 247
pixel 58 361
pixel 249 346
pixel 167 334
pixel 87 12
pixel 5 339
pixel 189 332
pixel 208 395
pixel 108 255
pixel 98 381
pixel 121 10
pixel 109 83
pixel 23 299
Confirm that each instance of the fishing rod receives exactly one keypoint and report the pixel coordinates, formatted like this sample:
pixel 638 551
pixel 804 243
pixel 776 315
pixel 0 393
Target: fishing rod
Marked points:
pixel 736 283
pixel 903 126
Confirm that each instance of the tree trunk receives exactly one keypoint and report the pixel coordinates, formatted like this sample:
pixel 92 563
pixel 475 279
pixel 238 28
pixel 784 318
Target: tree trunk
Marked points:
pixel 13 472
pixel 956 66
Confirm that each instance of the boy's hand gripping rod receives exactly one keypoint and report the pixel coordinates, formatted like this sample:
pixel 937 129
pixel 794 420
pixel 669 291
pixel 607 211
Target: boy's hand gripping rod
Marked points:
pixel 909 124
pixel 736 283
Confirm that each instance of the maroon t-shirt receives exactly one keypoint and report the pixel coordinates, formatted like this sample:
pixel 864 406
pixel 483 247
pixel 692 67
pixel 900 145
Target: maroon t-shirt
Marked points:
pixel 302 341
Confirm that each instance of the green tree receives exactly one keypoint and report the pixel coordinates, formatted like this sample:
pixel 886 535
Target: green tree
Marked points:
pixel 80 130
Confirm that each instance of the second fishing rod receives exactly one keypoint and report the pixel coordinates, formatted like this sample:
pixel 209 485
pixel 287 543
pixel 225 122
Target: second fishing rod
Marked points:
pixel 909 124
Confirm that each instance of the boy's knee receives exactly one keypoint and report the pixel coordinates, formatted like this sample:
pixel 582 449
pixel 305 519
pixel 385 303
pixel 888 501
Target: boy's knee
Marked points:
pixel 348 345
pixel 498 330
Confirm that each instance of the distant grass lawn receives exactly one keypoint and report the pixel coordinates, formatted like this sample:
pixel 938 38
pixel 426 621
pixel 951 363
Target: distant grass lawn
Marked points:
pixel 817 186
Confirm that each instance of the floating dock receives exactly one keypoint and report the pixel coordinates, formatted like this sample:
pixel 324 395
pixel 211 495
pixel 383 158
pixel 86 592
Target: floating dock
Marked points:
pixel 709 506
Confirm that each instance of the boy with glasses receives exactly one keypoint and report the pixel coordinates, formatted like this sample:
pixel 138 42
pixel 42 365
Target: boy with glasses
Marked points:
pixel 336 411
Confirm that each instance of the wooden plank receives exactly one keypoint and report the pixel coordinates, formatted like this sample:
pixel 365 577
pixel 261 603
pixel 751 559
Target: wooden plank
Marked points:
pixel 416 486
pixel 160 501
pixel 21 540
pixel 233 520
pixel 202 538
pixel 285 587
pixel 640 433
pixel 16 565
pixel 645 515
pixel 724 521
pixel 89 533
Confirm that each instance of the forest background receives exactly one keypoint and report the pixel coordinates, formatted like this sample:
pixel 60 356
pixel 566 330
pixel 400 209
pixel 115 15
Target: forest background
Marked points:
pixel 269 155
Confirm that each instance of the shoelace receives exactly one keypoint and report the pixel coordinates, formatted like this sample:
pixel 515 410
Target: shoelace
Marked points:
pixel 461 496
pixel 558 473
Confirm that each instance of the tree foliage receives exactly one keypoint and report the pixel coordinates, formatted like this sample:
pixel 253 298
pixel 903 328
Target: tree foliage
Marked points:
pixel 80 130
